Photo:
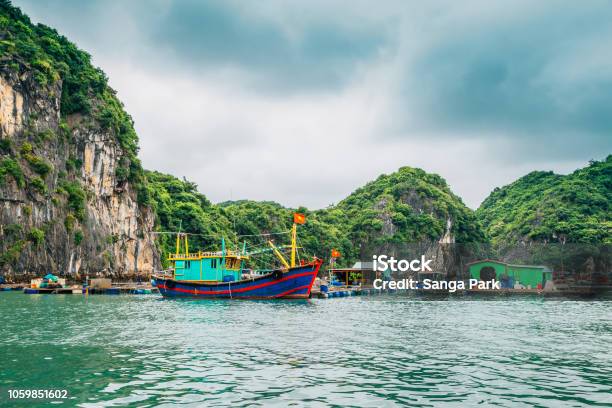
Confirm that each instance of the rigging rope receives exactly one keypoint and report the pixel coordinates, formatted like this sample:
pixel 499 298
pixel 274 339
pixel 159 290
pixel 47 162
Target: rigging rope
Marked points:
pixel 216 235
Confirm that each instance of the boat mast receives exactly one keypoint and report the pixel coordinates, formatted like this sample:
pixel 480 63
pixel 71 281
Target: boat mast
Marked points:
pixel 293 243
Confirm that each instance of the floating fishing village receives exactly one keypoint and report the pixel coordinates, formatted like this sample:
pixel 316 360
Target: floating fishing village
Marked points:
pixel 225 273
pixel 305 204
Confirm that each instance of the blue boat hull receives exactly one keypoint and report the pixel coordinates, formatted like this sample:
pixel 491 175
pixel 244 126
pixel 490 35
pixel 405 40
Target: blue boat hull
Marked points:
pixel 294 283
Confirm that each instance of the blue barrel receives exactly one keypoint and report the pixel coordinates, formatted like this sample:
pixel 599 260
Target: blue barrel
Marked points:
pixel 324 289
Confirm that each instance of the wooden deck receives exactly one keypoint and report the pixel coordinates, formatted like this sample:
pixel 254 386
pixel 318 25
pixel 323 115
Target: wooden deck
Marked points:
pixel 12 286
pixel 129 288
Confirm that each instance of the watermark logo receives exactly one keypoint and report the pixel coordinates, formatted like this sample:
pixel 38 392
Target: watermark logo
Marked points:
pixel 382 263
pixel 430 284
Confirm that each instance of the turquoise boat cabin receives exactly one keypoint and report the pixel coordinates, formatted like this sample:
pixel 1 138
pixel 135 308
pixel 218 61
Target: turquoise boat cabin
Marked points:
pixel 219 266
pixel 226 265
pixel 510 275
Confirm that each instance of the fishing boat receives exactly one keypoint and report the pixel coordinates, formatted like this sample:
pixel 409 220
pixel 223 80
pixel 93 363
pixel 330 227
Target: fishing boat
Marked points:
pixel 224 273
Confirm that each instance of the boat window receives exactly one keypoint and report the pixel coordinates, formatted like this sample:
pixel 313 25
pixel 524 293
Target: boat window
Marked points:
pixel 187 264
pixel 213 263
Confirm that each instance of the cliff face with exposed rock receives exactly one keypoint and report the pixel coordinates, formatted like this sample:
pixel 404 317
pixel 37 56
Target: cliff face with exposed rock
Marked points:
pixel 44 227
pixel 71 199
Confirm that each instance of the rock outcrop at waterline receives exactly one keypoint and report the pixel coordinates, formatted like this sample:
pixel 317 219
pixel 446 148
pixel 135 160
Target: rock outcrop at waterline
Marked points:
pixel 72 199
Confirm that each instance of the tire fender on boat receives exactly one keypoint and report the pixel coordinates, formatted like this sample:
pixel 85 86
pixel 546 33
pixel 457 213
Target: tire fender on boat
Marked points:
pixel 170 284
pixel 277 275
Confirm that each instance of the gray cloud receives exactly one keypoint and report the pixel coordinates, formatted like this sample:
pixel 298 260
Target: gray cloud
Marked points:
pixel 301 103
pixel 540 77
pixel 218 34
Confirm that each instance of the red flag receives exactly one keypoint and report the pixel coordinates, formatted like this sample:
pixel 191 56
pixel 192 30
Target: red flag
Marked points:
pixel 299 218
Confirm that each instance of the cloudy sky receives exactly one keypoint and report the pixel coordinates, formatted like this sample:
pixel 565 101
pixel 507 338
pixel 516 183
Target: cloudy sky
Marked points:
pixel 301 102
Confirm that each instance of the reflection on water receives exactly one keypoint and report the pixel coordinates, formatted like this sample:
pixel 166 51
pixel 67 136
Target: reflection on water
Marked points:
pixel 378 351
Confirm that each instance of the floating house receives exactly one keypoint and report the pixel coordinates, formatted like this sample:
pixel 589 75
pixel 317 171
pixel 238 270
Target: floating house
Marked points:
pixel 361 273
pixel 510 275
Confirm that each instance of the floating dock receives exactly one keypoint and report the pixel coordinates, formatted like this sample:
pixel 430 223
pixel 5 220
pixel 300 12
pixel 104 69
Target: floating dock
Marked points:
pixel 348 292
pixel 51 291
pixel 123 289
pixel 341 292
pixel 6 287
pixel 118 289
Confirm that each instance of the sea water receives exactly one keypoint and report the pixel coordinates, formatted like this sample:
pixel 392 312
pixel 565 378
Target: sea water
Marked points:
pixel 379 351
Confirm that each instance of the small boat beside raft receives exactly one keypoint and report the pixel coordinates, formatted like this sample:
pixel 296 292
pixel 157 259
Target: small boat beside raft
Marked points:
pixel 223 274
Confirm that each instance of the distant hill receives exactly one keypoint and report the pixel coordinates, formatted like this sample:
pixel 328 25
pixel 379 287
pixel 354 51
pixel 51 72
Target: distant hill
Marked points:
pixel 548 207
pixel 407 206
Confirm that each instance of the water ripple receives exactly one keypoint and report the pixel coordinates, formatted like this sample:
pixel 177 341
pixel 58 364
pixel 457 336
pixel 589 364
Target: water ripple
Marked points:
pixel 382 351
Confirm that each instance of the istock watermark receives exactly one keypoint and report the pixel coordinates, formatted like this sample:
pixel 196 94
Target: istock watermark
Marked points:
pixel 383 263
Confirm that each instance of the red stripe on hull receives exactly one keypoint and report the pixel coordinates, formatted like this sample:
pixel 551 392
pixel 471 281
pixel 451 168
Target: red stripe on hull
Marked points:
pixel 242 292
pixel 239 290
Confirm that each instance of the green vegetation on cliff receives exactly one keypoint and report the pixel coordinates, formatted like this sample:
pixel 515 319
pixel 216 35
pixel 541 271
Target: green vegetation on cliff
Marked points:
pixel 179 206
pixel 548 207
pixel 409 205
pixel 38 50
pixel 69 171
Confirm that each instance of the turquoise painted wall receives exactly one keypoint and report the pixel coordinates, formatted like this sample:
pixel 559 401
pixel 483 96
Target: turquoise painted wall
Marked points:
pixel 207 269
pixel 527 275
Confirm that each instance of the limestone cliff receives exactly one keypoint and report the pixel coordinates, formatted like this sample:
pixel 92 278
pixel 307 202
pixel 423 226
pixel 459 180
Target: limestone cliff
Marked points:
pixel 70 196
